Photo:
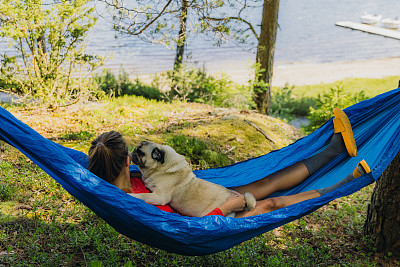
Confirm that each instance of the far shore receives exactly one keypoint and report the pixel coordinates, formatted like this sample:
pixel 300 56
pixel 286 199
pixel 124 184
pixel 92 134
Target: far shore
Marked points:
pixel 302 73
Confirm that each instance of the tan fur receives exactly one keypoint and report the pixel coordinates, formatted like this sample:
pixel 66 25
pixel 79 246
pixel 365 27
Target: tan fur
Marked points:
pixel 174 183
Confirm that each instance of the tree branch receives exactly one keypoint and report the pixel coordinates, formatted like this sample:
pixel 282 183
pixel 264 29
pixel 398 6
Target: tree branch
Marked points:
pixel 152 21
pixel 147 24
pixel 236 18
pixel 260 130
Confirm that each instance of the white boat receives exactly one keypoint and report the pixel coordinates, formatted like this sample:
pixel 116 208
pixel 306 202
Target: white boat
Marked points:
pixel 370 19
pixel 391 23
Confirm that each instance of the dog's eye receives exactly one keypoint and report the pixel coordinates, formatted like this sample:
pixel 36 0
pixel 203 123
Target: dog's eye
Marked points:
pixel 158 155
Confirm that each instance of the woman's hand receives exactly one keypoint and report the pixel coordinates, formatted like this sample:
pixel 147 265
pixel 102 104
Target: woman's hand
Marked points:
pixel 234 203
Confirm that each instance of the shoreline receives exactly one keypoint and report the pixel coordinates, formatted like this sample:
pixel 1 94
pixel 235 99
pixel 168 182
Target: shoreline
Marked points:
pixel 298 73
pixel 302 73
pixel 316 73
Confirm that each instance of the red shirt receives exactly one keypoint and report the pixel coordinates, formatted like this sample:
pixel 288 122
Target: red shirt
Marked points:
pixel 138 187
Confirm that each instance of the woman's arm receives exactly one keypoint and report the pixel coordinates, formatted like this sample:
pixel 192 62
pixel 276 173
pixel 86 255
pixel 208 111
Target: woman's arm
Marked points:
pixel 234 203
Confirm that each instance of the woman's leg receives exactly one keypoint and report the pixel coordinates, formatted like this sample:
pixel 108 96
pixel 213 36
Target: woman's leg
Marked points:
pixel 295 174
pixel 362 168
pixel 270 204
pixel 286 178
pixel 289 177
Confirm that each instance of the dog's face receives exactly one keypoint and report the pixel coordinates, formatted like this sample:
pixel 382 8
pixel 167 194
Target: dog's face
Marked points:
pixel 147 153
pixel 151 156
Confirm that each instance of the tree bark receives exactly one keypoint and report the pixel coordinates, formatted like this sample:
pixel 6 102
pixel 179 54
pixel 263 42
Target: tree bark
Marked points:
pixel 180 45
pixel 41 43
pixel 383 216
pixel 265 54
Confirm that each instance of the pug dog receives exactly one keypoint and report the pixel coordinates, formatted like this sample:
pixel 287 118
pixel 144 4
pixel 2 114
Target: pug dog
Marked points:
pixel 171 181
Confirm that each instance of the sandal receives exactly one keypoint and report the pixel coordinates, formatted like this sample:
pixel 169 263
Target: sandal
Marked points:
pixel 342 125
pixel 364 165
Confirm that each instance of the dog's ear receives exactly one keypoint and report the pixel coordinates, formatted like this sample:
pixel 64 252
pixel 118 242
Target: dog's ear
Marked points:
pixel 158 155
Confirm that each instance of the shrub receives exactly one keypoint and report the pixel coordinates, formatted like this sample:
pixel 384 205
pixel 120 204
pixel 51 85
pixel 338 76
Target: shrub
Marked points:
pixel 140 89
pixel 285 105
pixel 236 96
pixel 185 84
pixel 281 101
pixel 121 85
pixel 192 84
pixel 334 98
pixel 108 83
pixel 50 62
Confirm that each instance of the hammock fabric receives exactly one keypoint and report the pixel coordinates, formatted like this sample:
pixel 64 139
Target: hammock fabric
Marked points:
pixel 376 125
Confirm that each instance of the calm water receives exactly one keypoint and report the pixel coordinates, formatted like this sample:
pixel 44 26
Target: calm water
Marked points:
pixel 307 33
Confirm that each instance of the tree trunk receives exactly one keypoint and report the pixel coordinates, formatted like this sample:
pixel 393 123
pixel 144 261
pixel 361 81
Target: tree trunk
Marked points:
pixel 180 49
pixel 265 55
pixel 180 45
pixel 383 216
pixel 41 43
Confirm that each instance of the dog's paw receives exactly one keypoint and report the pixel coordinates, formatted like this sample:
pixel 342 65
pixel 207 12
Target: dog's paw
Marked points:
pixel 250 201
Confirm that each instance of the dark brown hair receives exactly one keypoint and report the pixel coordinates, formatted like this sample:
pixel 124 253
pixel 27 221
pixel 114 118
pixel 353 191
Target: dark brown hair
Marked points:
pixel 107 155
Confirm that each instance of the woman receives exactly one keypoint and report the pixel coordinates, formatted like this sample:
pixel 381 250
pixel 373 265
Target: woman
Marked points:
pixel 109 159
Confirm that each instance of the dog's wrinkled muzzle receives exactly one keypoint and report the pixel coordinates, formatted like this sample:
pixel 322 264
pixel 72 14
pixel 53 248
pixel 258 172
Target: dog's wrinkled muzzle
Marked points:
pixel 136 157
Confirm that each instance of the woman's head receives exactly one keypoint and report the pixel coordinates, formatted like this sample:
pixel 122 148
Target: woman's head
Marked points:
pixel 107 156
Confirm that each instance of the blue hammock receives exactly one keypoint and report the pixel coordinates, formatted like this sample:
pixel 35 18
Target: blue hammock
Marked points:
pixel 376 125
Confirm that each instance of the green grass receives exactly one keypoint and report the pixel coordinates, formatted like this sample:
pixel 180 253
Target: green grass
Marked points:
pixel 371 86
pixel 43 225
pixel 198 152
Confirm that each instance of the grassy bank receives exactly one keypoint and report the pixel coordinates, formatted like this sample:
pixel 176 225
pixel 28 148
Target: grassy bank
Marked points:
pixel 42 225
pixel 371 86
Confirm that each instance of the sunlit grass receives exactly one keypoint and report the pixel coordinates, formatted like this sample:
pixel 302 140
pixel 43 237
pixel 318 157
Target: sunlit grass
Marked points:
pixel 371 86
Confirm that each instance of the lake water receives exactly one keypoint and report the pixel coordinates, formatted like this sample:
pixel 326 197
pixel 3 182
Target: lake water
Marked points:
pixel 307 33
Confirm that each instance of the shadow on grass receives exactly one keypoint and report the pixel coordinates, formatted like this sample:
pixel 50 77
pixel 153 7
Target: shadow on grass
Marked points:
pixel 31 241
pixel 91 242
